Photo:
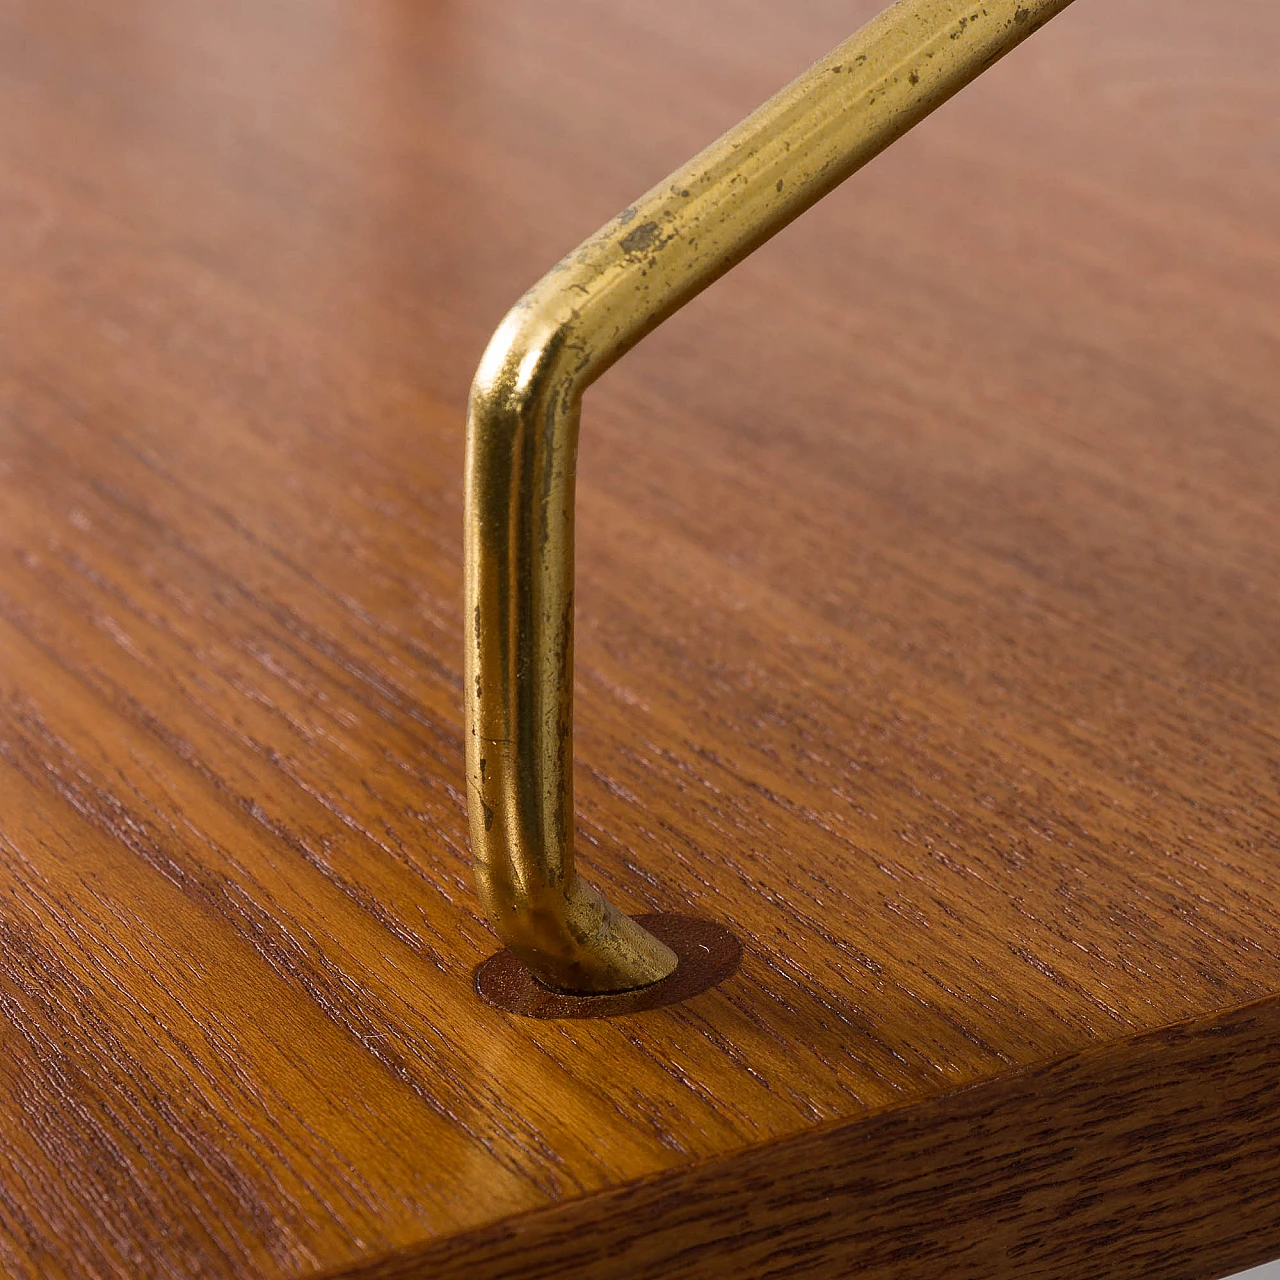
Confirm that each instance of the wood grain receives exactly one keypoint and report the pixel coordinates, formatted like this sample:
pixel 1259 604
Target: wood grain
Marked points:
pixel 929 582
pixel 1134 1160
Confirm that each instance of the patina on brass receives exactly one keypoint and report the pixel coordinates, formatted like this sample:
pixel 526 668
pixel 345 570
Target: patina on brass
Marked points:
pixel 522 434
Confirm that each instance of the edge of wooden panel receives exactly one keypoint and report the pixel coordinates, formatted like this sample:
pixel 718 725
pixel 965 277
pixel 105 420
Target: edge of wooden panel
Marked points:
pixel 1158 1154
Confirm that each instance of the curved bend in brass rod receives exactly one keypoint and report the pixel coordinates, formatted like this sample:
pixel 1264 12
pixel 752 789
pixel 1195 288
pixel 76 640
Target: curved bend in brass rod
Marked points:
pixel 522 435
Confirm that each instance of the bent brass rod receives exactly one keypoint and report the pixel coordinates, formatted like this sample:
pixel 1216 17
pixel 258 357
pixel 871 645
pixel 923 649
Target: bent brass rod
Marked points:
pixel 522 434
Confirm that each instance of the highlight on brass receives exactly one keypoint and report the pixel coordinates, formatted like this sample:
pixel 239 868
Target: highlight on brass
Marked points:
pixel 522 431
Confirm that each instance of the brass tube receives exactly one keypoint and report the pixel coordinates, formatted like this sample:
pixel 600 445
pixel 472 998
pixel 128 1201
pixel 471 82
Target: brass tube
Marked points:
pixel 522 434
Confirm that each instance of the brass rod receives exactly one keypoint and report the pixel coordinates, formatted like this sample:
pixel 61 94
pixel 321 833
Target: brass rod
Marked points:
pixel 522 435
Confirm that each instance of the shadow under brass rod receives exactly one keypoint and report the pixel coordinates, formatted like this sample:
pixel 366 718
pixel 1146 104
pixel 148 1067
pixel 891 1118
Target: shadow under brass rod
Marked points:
pixel 522 437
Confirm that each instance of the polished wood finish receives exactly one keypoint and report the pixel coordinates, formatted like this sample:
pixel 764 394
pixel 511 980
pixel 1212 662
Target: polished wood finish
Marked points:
pixel 928 599
pixel 1047 1172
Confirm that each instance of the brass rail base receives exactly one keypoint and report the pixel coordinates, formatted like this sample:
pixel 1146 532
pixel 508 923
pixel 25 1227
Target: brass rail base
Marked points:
pixel 708 954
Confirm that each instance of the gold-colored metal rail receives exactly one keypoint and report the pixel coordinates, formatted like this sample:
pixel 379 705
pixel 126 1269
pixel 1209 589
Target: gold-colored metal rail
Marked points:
pixel 522 435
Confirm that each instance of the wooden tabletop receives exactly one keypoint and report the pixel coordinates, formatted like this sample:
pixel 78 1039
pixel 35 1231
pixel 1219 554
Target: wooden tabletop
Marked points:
pixel 928 605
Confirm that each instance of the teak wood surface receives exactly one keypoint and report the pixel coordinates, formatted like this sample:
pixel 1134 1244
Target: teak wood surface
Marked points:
pixel 928 606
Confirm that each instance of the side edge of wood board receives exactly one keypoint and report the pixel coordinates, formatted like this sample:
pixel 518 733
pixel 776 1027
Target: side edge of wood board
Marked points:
pixel 1157 1156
